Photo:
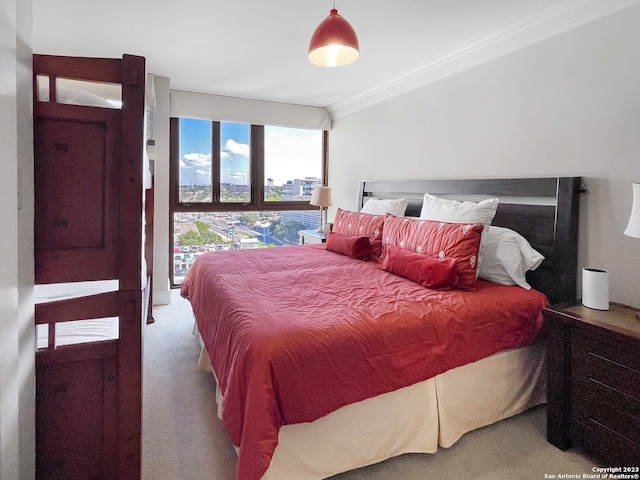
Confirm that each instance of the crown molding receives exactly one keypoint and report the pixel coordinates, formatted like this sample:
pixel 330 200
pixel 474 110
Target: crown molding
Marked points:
pixel 516 35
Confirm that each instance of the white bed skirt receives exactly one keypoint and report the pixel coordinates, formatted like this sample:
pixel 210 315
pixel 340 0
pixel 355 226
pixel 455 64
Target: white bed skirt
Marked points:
pixel 414 419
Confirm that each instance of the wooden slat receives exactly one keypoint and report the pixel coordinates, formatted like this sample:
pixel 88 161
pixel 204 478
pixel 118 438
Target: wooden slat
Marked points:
pixel 80 113
pixel 77 353
pixel 81 68
pixel 101 305
pixel 51 337
pixel 534 222
pixel 111 388
pixel 545 187
pixel 131 190
pixel 566 241
pixel 130 382
pixel 130 264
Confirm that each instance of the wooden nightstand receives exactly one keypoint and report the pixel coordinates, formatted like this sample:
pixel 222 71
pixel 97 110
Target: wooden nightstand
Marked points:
pixel 593 381
pixel 312 236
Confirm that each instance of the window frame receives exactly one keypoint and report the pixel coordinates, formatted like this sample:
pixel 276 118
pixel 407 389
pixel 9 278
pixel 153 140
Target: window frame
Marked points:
pixel 257 201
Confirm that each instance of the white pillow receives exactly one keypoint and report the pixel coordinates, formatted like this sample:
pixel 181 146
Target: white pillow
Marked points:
pixel 380 206
pixel 507 257
pixel 453 211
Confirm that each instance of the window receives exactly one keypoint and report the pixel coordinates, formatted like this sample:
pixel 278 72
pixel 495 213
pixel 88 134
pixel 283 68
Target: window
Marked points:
pixel 195 161
pixel 239 186
pixel 292 163
pixel 235 163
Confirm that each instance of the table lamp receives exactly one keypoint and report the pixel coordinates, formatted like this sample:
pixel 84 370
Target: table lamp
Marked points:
pixel 321 198
pixel 633 228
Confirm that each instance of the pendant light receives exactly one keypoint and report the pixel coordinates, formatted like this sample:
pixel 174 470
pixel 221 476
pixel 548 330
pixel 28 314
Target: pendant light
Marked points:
pixel 334 42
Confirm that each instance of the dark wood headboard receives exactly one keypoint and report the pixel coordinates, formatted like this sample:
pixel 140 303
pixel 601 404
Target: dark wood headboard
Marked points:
pixel 543 210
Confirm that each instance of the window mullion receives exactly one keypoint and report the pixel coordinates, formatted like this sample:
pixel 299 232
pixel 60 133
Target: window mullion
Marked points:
pixel 215 163
pixel 174 154
pixel 325 158
pixel 257 165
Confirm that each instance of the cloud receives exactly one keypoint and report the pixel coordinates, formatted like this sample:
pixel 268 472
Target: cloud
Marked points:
pixel 195 169
pixel 273 133
pixel 292 153
pixel 231 147
pixel 195 160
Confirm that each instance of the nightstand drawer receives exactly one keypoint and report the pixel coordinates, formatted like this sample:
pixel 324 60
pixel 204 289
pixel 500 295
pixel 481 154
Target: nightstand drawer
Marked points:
pixel 614 450
pixel 604 365
pixel 614 413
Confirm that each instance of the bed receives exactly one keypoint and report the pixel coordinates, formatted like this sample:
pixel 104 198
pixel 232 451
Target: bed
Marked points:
pixel 93 238
pixel 325 363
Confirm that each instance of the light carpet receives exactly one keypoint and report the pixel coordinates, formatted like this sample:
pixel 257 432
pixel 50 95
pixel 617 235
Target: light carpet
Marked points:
pixel 183 439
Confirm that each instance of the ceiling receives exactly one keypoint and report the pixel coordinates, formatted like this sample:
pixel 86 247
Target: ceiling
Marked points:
pixel 258 49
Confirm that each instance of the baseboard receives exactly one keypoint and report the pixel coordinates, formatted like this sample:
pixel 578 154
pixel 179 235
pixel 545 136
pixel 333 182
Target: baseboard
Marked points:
pixel 161 297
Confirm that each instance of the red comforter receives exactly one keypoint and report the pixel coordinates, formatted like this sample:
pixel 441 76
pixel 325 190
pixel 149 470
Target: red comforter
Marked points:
pixel 295 333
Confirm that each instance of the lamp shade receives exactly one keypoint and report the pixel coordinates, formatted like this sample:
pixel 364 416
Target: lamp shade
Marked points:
pixel 633 228
pixel 321 197
pixel 334 42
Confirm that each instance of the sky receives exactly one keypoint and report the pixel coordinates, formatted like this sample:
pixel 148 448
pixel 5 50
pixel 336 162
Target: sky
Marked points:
pixel 289 153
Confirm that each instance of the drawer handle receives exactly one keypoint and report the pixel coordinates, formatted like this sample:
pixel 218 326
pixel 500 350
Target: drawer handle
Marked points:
pixel 613 361
pixel 612 431
pixel 591 379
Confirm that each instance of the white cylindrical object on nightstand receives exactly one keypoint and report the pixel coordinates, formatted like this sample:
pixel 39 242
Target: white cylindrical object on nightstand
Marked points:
pixel 595 288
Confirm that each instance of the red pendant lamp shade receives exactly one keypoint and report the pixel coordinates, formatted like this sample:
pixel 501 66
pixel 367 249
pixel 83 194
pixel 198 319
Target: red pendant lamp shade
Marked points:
pixel 334 43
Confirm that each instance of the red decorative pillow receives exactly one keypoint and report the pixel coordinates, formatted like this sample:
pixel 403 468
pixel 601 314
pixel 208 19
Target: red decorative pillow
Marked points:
pixel 361 225
pixel 460 241
pixel 354 247
pixel 431 272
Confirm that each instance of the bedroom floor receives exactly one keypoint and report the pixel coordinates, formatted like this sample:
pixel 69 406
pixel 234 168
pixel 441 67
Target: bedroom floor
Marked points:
pixel 183 439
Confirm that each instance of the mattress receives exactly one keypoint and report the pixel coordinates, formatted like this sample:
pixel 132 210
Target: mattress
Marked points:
pixel 53 292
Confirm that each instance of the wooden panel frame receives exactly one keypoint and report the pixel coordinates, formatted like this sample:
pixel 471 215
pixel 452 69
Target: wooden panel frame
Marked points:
pixel 76 395
pixel 548 218
pixel 121 373
pixel 56 265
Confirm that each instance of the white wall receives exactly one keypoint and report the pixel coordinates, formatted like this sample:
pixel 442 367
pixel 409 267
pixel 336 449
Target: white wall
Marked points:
pixel 161 287
pixel 17 339
pixel 569 105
